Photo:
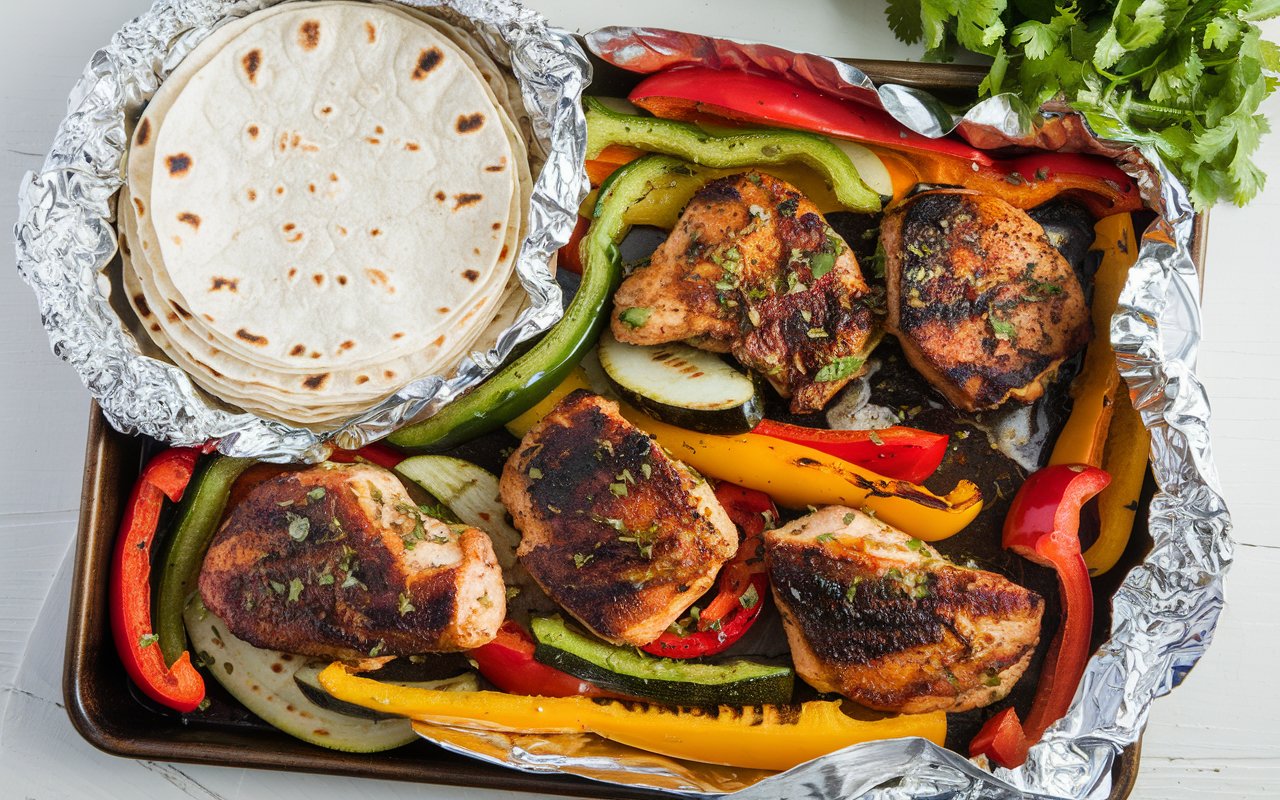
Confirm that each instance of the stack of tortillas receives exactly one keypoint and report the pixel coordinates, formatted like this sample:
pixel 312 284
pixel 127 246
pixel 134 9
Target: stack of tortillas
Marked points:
pixel 324 202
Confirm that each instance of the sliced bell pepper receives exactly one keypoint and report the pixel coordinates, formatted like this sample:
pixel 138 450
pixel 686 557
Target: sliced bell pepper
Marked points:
pixel 197 520
pixel 1043 526
pixel 741 586
pixel 608 160
pixel 518 386
pixel 766 737
pixel 906 454
pixel 752 148
pixel 690 93
pixel 571 254
pixel 1001 740
pixel 177 684
pixel 507 662
pixel 1125 460
pixel 798 476
pixel 375 453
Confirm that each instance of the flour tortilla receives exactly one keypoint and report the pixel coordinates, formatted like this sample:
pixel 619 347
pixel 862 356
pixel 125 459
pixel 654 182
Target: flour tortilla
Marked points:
pixel 266 306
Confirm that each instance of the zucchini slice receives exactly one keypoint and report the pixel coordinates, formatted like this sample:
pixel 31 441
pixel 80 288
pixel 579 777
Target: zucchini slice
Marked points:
pixel 682 385
pixel 471 493
pixel 624 670
pixel 250 674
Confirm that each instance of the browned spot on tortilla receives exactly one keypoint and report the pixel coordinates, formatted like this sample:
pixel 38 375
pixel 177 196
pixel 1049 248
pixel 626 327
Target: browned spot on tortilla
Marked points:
pixel 309 34
pixel 251 338
pixel 209 318
pixel 342 230
pixel 224 283
pixel 179 164
pixel 279 190
pixel 315 354
pixel 141 303
pixel 411 146
pixel 471 275
pixel 295 139
pixel 311 187
pixel 288 226
pixel 144 132
pixel 191 219
pixel 438 341
pixel 373 140
pixel 499 167
pixel 379 278
pixel 316 382
pixel 298 350
pixel 497 225
pixel 370 32
pixel 155 328
pixel 253 131
pixel 379 129
pixel 375 232
pixel 176 239
pixel 214 372
pixel 327 110
pixel 441 196
pixel 347 345
pixel 293 272
pixel 466 317
pixel 475 251
pixel 469 122
pixel 443 309
pixel 138 205
pixel 318 278
pixel 342 280
pixel 297 237
pixel 427 61
pixel 388 374
pixel 465 199
pixel 362 379
pixel 503 254
pixel 251 61
pixel 333 176
pixel 253 195
pixel 397 335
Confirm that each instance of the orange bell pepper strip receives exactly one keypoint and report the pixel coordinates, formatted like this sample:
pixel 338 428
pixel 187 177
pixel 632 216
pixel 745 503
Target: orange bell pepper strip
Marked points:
pixel 766 737
pixel 609 160
pixel 1104 430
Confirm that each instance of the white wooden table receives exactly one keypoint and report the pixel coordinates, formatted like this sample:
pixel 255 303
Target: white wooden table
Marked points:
pixel 1217 736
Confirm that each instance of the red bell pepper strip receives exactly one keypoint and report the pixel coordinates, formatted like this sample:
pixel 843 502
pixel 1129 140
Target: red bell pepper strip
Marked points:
pixel 179 686
pixel 570 255
pixel 1043 526
pixel 1001 740
pixel 905 454
pixel 507 662
pixel 377 453
pixel 741 587
pixel 694 93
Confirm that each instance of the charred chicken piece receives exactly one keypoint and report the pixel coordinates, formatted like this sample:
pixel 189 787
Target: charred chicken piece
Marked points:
pixel 337 561
pixel 754 270
pixel 984 306
pixel 887 621
pixel 620 534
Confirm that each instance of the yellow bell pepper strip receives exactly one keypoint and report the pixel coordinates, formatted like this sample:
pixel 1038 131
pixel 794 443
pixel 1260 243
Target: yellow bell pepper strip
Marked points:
pixel 798 476
pixel 1093 391
pixel 1104 430
pixel 1125 460
pixel 577 379
pixel 768 737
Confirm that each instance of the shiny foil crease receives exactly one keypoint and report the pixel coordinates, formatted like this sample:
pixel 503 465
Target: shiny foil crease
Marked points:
pixel 66 234
pixel 1165 611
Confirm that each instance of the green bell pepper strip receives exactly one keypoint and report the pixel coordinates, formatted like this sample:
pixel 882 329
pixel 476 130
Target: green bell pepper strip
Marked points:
pixel 519 386
pixel 197 520
pixel 752 148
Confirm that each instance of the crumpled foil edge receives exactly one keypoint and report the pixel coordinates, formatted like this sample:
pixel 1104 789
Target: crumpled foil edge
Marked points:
pixel 65 234
pixel 1165 611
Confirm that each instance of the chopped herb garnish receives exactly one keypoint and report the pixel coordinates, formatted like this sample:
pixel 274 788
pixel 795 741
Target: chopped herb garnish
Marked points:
pixel 513 592
pixel 325 579
pixel 816 333
pixel 484 600
pixel 374 492
pixel 147 639
pixel 580 559
pixel 619 489
pixel 914 544
pixel 377 648
pixel 849 517
pixel 316 494
pixel 277 587
pixel 821 263
pixel 646 470
pixel 1005 331
pixel 635 316
pixel 852 591
pixel 839 369
pixel 535 473
pixel 404 606
pixel 295 590
pixel 749 597
pixel 825 537
pixel 299 526
pixel 875 439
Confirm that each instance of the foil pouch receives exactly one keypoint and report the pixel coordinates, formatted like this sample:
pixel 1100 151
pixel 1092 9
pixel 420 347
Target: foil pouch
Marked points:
pixel 1165 611
pixel 65 235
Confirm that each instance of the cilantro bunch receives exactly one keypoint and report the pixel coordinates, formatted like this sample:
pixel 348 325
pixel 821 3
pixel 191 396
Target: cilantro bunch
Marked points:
pixel 1183 77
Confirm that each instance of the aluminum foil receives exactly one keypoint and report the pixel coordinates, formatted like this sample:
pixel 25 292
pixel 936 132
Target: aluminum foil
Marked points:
pixel 66 234
pixel 1165 611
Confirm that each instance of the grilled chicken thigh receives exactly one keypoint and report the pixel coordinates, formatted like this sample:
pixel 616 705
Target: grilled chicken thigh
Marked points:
pixel 337 561
pixel 620 534
pixel 887 621
pixel 984 306
pixel 753 269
